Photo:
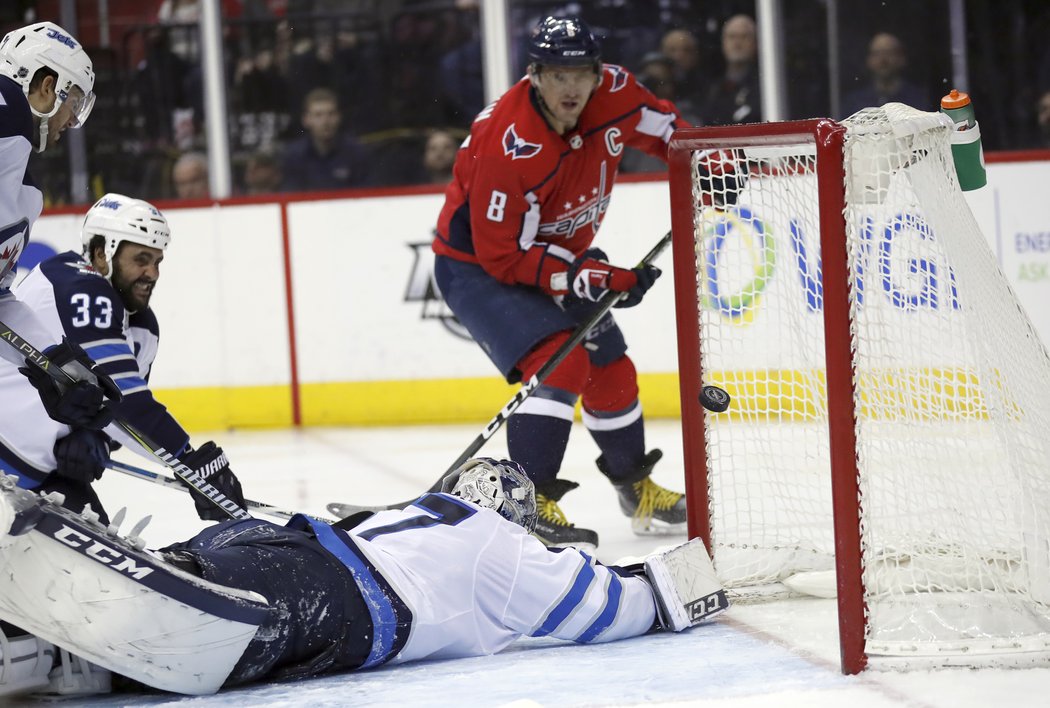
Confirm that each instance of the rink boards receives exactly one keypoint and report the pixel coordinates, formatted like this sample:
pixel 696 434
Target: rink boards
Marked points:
pixel 321 311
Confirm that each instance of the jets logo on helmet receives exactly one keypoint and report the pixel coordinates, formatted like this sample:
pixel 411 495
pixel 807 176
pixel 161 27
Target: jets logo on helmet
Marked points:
pixel 118 218
pixel 56 34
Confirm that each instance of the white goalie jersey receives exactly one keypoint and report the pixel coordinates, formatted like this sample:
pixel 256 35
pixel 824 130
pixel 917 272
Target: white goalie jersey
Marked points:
pixel 489 599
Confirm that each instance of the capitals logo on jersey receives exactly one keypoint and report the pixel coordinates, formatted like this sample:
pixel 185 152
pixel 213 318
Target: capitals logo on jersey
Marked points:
pixel 518 147
pixel 617 77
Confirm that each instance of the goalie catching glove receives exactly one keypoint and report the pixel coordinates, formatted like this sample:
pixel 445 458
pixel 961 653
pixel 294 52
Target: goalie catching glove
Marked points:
pixel 78 404
pixel 590 276
pixel 211 464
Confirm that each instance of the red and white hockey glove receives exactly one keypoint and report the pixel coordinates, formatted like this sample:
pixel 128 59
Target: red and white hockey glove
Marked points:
pixel 591 275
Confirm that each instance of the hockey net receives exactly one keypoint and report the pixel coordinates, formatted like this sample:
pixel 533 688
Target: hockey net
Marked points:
pixel 889 433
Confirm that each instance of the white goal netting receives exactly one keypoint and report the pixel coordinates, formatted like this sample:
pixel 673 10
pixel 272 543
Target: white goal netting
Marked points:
pixel 952 395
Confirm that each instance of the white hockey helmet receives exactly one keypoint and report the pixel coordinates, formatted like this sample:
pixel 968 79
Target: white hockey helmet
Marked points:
pixel 45 44
pixel 500 485
pixel 118 219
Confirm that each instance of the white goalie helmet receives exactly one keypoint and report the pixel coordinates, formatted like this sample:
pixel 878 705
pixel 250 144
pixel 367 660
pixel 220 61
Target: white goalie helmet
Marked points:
pixel 500 485
pixel 45 44
pixel 118 218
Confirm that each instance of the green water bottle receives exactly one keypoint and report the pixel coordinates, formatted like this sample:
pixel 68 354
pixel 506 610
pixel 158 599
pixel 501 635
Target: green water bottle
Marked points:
pixel 966 141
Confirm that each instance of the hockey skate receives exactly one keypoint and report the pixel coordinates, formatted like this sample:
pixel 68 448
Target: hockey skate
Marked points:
pixel 551 525
pixel 654 511
pixel 79 585
pixel 687 591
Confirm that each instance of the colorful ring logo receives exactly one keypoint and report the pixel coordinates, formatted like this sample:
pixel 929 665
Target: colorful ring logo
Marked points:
pixel 757 240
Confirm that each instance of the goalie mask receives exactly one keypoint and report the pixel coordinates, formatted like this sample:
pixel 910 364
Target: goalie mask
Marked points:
pixel 117 219
pixel 46 45
pixel 500 485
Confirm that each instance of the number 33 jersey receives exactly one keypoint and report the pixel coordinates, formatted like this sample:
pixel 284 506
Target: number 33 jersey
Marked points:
pixel 518 187
pixel 71 299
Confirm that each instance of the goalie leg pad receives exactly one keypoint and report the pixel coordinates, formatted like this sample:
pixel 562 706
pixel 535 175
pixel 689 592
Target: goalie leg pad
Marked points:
pixel 24 663
pixel 76 676
pixel 686 588
pixel 65 578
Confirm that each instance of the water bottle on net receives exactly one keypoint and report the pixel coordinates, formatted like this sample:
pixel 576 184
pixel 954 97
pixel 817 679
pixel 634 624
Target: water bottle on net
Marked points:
pixel 966 140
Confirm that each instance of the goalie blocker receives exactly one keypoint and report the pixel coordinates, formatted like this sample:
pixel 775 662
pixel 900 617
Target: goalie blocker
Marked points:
pixel 444 578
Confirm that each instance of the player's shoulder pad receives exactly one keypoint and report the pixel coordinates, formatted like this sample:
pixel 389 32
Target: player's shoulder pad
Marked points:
pixel 69 271
pixel 16 120
pixel 145 319
pixel 514 130
pixel 615 79
pixel 82 292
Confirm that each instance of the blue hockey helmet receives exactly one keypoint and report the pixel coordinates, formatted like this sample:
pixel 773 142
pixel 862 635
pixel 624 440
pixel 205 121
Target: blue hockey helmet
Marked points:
pixel 565 41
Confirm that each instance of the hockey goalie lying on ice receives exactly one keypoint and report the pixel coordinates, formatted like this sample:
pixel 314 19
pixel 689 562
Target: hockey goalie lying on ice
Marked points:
pixel 454 575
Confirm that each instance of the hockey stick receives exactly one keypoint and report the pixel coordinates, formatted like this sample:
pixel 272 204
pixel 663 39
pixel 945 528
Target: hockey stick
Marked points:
pixel 172 483
pixel 605 303
pixel 191 477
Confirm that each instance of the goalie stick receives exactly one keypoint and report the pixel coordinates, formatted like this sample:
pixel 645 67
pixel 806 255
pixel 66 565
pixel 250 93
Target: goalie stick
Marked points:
pixel 605 303
pixel 191 477
pixel 171 483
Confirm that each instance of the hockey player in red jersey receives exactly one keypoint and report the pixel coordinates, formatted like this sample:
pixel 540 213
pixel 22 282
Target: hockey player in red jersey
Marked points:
pixel 515 263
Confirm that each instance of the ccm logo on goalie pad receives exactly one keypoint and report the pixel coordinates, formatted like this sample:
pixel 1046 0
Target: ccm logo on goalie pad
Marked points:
pixel 100 552
pixel 704 607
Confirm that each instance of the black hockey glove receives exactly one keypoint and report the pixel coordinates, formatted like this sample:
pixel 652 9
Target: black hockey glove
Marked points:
pixel 647 275
pixel 211 464
pixel 81 404
pixel 721 176
pixel 82 455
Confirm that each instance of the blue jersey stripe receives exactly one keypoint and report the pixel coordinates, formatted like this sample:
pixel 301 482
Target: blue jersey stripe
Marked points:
pixel 570 602
pixel 108 350
pixel 609 612
pixel 129 381
pixel 384 619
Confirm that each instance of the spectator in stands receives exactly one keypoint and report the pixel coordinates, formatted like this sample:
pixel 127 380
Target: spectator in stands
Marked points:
pixel 262 173
pixel 462 80
pixel 886 63
pixel 439 154
pixel 735 97
pixel 183 41
pixel 190 176
pixel 1042 115
pixel 683 49
pixel 656 73
pixel 325 157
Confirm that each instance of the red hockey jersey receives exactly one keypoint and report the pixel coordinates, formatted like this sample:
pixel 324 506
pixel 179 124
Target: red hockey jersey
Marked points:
pixel 525 201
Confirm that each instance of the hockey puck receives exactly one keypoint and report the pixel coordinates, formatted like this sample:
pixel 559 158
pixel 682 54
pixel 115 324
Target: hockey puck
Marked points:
pixel 714 399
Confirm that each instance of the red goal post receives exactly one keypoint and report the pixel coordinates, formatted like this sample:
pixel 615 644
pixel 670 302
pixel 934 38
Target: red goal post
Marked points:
pixel 841 466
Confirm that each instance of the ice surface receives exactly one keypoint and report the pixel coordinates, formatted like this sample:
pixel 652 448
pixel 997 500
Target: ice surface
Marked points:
pixel 777 654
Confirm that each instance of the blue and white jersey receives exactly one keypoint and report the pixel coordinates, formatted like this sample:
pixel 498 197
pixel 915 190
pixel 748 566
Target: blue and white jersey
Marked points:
pixel 20 200
pixel 72 299
pixel 435 592
pixel 20 205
